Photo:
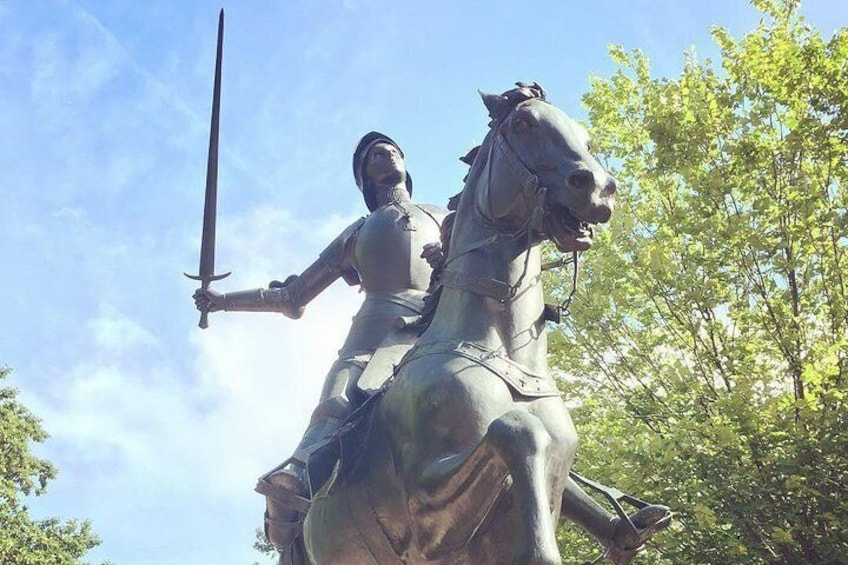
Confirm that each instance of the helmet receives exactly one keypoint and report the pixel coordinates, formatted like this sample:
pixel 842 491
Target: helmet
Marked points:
pixel 368 141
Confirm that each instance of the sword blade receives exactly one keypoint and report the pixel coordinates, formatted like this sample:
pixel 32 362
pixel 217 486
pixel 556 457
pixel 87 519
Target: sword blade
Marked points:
pixel 206 271
pixel 210 205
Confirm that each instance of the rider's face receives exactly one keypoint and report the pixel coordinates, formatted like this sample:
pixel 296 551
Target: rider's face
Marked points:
pixel 385 165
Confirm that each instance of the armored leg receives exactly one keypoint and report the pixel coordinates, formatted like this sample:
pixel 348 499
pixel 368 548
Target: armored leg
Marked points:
pixel 341 375
pixel 621 540
pixel 285 487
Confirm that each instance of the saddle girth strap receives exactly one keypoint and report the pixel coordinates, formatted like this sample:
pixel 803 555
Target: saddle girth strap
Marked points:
pixel 521 379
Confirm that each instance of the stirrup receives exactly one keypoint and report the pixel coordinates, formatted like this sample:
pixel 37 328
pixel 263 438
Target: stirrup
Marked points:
pixel 648 521
pixel 640 527
pixel 285 488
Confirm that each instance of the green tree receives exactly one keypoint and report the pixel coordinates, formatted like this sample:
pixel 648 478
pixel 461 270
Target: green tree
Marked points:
pixel 709 337
pixel 24 540
pixel 264 546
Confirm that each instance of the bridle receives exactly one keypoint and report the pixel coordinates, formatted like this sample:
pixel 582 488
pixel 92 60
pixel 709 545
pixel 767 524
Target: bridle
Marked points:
pixel 534 196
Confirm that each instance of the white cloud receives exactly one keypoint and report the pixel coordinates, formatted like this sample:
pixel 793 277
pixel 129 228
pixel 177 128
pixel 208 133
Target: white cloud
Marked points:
pixel 167 436
pixel 115 331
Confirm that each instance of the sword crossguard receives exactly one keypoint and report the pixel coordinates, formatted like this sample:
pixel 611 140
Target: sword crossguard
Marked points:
pixel 205 281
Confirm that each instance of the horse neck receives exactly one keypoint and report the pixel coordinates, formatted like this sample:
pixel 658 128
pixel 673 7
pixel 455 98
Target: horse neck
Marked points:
pixel 515 327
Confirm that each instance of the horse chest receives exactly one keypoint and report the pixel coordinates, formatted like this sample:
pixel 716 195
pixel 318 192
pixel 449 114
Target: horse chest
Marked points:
pixel 438 402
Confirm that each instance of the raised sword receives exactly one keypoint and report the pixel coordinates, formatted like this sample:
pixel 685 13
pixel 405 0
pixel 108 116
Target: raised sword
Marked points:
pixel 207 242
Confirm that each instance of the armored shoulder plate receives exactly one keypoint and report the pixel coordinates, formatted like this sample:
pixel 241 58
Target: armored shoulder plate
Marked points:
pixel 336 254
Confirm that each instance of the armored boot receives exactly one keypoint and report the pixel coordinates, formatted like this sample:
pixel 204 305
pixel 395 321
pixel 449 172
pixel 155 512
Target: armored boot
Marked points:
pixel 287 501
pixel 622 535
pixel 629 539
pixel 287 488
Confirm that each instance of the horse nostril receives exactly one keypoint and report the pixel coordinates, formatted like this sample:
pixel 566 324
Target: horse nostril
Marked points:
pixel 582 180
pixel 610 187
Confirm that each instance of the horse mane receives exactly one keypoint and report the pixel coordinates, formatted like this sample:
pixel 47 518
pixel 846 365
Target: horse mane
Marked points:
pixel 499 107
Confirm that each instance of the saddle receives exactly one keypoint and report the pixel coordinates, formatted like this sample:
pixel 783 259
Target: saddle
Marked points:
pixel 339 456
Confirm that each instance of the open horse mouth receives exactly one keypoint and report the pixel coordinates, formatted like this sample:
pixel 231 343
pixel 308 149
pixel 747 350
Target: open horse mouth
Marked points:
pixel 568 232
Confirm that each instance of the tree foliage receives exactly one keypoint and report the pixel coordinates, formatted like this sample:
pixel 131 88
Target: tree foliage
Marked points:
pixel 24 540
pixel 709 335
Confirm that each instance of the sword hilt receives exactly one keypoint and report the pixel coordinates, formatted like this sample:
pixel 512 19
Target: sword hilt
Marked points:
pixel 205 281
pixel 204 319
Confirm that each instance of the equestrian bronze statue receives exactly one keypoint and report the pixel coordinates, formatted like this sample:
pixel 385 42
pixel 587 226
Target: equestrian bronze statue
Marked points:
pixel 465 457
pixel 441 436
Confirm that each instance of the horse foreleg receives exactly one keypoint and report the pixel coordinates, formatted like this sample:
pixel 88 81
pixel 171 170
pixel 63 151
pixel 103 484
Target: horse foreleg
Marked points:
pixel 455 493
pixel 524 444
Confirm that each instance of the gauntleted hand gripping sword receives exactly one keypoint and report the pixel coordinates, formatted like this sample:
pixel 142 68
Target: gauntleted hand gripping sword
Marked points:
pixel 207 242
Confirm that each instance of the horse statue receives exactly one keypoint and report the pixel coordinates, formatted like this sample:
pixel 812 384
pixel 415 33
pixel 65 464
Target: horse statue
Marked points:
pixel 463 456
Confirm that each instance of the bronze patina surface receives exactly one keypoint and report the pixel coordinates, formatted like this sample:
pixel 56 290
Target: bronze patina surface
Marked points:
pixel 455 445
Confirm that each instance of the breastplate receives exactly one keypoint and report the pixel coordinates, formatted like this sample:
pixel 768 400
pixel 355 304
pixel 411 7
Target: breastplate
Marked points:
pixel 388 248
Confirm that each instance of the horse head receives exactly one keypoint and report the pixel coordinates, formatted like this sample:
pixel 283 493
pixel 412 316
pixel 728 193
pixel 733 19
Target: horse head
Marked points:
pixel 534 171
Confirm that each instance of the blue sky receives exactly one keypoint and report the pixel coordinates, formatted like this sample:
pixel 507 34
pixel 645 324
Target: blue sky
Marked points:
pixel 160 429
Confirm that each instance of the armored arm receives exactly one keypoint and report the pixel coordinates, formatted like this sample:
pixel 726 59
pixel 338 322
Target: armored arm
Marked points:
pixel 291 296
pixel 255 300
pixel 334 262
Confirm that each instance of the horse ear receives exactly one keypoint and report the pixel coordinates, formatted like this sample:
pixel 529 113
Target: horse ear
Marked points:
pixel 540 91
pixel 493 102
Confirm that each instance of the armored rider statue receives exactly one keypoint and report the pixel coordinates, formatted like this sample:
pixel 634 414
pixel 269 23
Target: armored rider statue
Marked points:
pixel 386 253
pixel 390 254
